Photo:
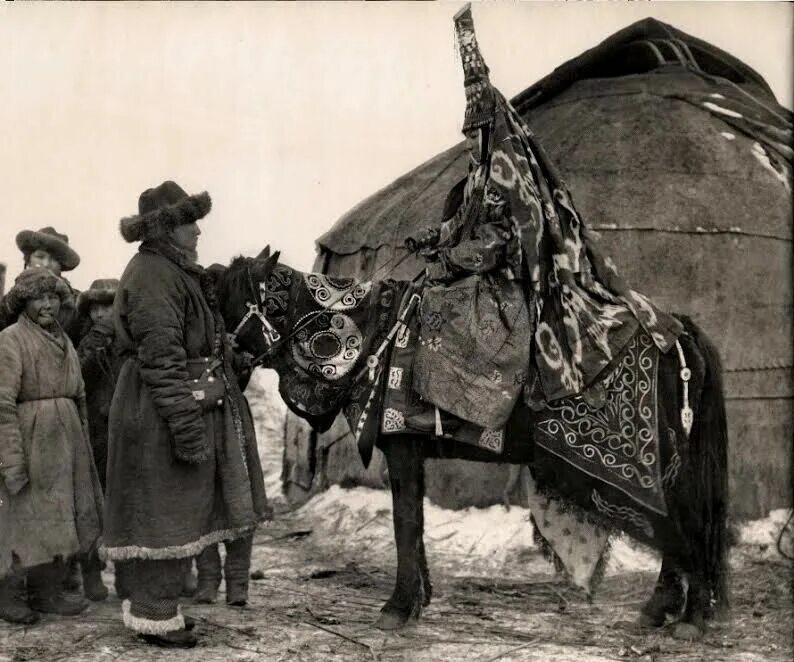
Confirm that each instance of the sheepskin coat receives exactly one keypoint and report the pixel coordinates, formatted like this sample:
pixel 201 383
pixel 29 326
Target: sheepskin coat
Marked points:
pixel 43 438
pixel 178 478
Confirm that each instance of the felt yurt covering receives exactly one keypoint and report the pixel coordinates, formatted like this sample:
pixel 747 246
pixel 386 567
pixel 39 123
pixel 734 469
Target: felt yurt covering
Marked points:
pixel 679 156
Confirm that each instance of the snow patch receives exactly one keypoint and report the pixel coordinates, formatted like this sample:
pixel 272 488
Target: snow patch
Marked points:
pixel 474 540
pixel 764 531
pixel 728 135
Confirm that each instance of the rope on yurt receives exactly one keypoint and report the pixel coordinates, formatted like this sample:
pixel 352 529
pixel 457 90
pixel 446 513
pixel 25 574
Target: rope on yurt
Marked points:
pixel 696 231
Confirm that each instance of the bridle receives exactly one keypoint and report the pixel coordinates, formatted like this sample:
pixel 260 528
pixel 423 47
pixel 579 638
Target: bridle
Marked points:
pixel 269 333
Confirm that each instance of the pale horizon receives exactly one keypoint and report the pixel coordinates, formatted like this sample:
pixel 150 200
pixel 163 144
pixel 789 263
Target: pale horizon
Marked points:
pixel 288 115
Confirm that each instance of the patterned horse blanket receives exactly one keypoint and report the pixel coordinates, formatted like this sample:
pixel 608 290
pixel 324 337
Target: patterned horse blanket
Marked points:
pixel 610 431
pixel 333 325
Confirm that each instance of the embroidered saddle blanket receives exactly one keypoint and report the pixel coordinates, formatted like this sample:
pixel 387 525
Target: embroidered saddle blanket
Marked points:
pixel 609 432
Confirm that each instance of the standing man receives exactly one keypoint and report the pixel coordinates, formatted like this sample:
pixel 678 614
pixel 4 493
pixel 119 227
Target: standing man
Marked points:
pixel 178 479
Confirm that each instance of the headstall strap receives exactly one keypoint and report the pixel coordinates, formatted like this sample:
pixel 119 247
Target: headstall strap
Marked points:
pixel 687 415
pixel 269 332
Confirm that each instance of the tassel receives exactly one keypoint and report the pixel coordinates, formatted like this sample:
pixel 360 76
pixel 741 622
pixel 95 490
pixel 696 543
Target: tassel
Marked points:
pixel 439 428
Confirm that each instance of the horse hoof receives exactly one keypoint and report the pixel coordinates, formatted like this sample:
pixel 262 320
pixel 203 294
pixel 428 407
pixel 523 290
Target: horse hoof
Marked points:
pixel 391 620
pixel 687 632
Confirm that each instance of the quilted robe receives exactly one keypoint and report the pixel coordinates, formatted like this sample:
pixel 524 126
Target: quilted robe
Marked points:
pixel 43 437
pixel 178 479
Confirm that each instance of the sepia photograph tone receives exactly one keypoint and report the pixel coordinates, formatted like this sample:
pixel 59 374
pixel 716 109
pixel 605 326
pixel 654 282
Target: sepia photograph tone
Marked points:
pixel 396 332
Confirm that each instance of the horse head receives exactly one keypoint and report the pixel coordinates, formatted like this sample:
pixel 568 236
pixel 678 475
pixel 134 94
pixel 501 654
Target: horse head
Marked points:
pixel 243 298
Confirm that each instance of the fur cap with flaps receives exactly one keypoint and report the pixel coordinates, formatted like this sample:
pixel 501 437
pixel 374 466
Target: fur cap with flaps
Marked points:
pixel 52 241
pixel 163 208
pixel 32 283
pixel 102 291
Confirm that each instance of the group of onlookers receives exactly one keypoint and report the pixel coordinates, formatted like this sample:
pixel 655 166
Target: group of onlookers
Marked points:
pixel 124 433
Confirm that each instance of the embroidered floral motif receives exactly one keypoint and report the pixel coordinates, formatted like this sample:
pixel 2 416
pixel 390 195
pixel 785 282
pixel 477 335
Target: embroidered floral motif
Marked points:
pixel 433 321
pixel 395 378
pixel 393 420
pixel 403 337
pixel 493 440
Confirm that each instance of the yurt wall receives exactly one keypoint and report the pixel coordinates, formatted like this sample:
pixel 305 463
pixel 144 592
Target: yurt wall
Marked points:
pixel 683 167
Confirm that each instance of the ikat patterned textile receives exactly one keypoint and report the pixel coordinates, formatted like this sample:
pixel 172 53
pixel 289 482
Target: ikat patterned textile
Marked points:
pixel 611 432
pixel 583 314
pixel 333 324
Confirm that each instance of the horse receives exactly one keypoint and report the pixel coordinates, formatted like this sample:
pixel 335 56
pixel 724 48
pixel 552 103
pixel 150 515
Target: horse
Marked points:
pixel 259 310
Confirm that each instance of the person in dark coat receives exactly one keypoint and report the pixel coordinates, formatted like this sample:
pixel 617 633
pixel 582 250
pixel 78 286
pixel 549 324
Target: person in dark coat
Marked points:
pixel 100 363
pixel 50 249
pixel 50 497
pixel 180 475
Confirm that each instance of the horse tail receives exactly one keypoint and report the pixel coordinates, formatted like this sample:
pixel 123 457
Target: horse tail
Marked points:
pixel 708 450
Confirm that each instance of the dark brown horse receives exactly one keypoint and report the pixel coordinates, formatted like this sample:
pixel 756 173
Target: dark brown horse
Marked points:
pixel 258 307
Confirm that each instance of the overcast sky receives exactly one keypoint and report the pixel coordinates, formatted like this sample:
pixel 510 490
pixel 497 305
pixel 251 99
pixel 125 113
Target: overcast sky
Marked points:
pixel 288 114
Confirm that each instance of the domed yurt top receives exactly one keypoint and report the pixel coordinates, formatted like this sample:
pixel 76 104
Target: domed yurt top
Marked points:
pixel 646 58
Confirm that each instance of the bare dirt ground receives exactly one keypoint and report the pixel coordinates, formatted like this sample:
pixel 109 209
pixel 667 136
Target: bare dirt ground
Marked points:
pixel 318 601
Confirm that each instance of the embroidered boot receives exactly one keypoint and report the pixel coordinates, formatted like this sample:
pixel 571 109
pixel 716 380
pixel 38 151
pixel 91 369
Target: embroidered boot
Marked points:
pixel 46 594
pixel 236 569
pixel 93 588
pixel 176 639
pixel 208 564
pixel 13 601
pixel 71 579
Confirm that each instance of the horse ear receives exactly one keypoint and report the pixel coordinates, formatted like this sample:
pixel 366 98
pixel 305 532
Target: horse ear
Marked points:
pixel 264 254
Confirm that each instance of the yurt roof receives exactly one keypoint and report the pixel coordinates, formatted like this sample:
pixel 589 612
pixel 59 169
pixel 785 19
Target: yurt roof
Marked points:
pixel 630 97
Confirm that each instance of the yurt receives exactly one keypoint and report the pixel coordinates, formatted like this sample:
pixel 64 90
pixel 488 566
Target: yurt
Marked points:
pixel 680 157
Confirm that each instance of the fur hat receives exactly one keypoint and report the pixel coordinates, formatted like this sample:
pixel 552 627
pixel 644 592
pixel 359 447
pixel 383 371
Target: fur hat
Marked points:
pixel 53 242
pixel 32 283
pixel 102 291
pixel 163 208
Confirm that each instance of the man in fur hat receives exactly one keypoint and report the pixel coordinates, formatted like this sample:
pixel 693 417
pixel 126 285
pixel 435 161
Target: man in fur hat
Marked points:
pixel 180 474
pixel 50 249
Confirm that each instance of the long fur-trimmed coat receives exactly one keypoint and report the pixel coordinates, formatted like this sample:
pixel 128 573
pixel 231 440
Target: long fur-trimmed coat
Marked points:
pixel 178 478
pixel 50 497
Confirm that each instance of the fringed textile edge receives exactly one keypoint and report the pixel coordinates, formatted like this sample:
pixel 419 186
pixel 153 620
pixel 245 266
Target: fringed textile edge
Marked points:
pixel 150 626
pixel 132 552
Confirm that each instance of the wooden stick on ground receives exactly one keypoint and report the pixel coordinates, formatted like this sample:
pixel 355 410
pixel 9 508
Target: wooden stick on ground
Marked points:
pixel 512 650
pixel 343 636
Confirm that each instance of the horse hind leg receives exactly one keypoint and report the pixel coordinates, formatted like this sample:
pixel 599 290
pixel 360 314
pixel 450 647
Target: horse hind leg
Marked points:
pixel 406 475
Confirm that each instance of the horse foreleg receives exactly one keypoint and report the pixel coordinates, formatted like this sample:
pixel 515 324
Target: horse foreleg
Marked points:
pixel 669 595
pixel 406 475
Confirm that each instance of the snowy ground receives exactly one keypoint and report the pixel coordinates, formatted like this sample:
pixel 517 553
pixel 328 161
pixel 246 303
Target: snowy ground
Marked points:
pixel 324 570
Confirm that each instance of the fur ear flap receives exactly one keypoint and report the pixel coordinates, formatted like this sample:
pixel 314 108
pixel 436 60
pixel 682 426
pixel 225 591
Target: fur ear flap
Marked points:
pixel 264 254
